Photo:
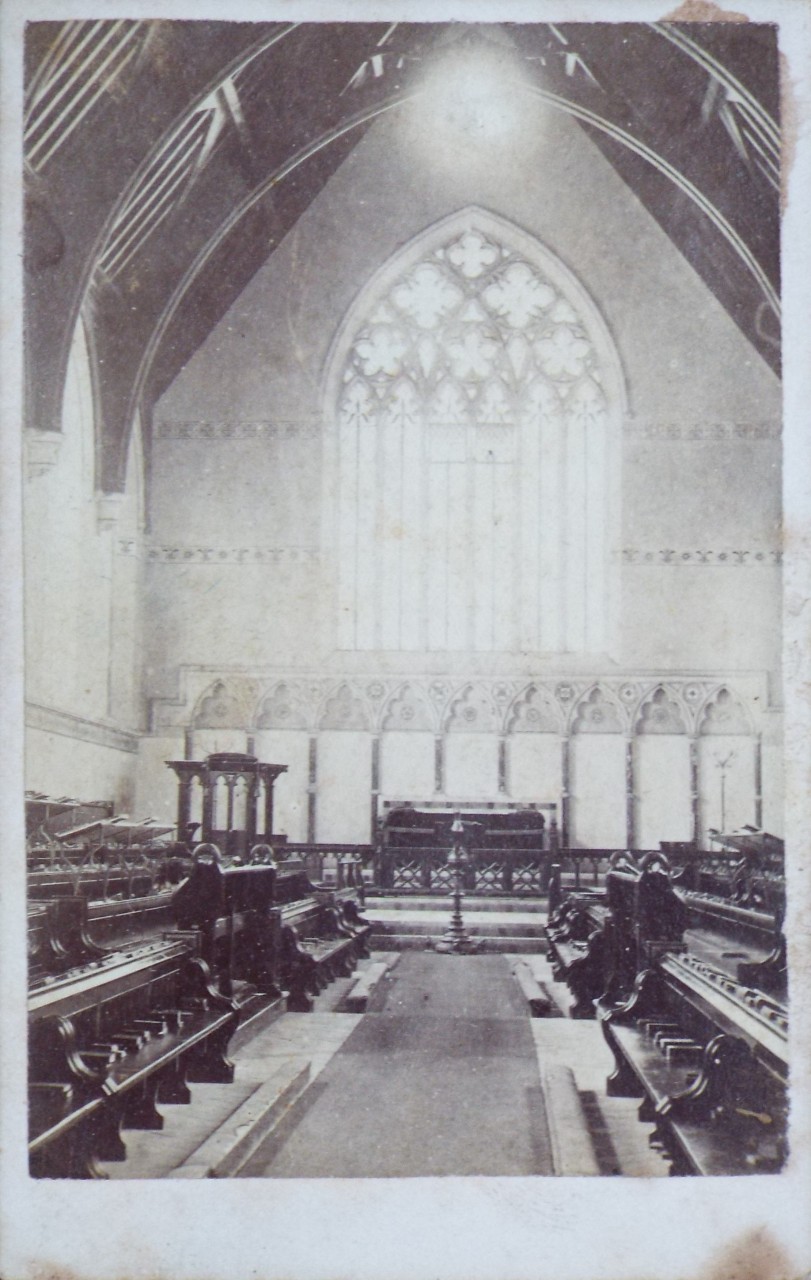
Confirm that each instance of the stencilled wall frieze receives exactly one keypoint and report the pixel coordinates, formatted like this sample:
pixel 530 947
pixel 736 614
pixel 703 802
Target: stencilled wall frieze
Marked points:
pixel 629 705
pixel 171 554
pixel 646 430
pixel 176 553
pixel 725 558
pixel 283 429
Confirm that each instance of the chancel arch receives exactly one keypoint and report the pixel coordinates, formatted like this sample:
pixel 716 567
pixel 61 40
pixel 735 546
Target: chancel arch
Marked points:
pixel 473 403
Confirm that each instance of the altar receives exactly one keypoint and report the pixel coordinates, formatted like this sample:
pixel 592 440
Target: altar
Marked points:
pixel 509 846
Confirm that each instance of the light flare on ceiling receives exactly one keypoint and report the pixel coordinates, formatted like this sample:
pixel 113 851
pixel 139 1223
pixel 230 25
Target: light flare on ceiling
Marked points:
pixel 469 105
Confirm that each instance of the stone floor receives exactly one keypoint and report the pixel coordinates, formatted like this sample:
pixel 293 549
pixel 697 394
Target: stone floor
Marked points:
pixel 620 1138
pixel 439 1078
pixel 277 1068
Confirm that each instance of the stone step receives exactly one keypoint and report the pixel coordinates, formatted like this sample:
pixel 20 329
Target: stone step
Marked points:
pixel 433 922
pixel 537 997
pixel 226 1150
pixel 426 902
pixel 573 1154
pixel 357 997
pixel 255 1017
pixel 508 945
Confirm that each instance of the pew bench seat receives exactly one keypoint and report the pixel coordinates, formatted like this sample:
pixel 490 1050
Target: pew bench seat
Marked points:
pixel 310 964
pixel 74 1126
pixel 334 957
pixel 698 1147
pixel 708 1059
pixel 581 963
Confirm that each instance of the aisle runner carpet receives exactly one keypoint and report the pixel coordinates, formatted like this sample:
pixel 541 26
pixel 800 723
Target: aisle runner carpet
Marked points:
pixel 440 1077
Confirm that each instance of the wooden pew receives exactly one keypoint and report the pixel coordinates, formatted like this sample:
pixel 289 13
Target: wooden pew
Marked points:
pixel 600 939
pixel 752 942
pixel 110 1039
pixel 576 933
pixel 647 918
pixel 233 907
pixel 323 937
pixel 708 1058
pixel 115 1031
pixel 65 932
pixel 268 930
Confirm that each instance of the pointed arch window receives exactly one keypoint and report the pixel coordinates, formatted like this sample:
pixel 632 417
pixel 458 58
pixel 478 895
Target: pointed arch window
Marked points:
pixel 474 396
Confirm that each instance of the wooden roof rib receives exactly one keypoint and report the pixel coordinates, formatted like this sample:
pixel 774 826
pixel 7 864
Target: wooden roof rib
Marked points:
pixel 159 157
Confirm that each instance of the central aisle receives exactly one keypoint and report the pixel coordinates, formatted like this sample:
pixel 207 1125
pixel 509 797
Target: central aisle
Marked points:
pixel 440 1077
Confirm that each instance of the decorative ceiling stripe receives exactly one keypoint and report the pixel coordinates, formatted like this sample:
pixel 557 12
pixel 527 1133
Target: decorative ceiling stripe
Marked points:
pixel 235 217
pixel 554 100
pixel 77 119
pixel 139 220
pixel 743 97
pixel 677 178
pixel 75 108
pixel 769 168
pixel 191 120
pixel 64 65
pixel 57 54
pixel 205 132
pixel 46 115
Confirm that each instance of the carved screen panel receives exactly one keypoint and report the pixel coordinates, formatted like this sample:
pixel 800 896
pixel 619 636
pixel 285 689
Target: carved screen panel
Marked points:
pixel 475 503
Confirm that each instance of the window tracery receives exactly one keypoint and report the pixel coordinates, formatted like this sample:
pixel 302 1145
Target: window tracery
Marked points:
pixel 473 494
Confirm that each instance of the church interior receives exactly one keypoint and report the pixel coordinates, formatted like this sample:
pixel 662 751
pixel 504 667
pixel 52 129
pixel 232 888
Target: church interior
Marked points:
pixel 403 545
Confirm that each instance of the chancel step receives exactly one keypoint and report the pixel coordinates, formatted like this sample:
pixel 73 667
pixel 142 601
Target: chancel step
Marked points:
pixel 504 926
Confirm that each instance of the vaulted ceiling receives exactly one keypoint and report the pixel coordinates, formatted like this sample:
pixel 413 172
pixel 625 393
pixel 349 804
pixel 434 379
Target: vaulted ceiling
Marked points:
pixel 166 159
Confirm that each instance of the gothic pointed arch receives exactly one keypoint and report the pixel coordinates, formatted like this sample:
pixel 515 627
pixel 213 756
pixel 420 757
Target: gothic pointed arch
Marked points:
pixel 471 711
pixel 660 713
pixel 282 709
pixel 407 709
pixel 473 399
pixel 598 712
pixel 724 713
pixel 343 710
pixel 534 711
pixel 225 704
